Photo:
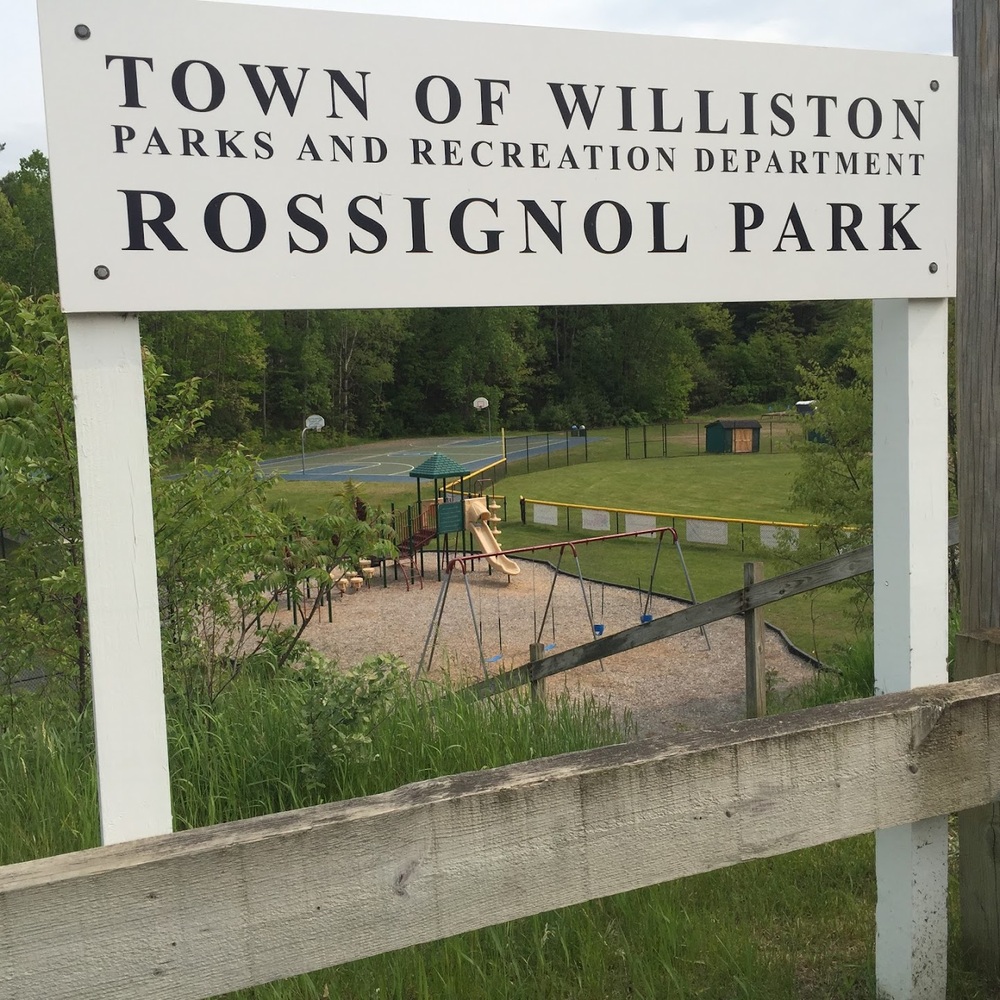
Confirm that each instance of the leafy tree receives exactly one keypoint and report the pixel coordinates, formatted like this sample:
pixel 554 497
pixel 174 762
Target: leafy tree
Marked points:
pixel 643 359
pixel 29 193
pixel 762 367
pixel 42 604
pixel 225 352
pixel 363 345
pixel 610 363
pixel 16 246
pixel 283 390
pixel 222 551
pixel 339 363
pixel 834 480
pixel 711 327
pixel 454 355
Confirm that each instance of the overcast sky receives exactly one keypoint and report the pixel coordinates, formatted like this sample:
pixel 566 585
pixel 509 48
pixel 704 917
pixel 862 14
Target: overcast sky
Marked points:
pixel 892 25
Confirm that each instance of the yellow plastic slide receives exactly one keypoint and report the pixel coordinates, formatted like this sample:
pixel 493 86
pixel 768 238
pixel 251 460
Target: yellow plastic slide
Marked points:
pixel 477 520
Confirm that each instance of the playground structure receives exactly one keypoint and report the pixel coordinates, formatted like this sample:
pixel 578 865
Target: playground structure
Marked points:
pixel 455 518
pixel 468 563
pixel 480 519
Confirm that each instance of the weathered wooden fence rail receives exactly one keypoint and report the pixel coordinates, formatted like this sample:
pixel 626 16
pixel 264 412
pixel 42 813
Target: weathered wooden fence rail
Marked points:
pixel 207 911
pixel 798 581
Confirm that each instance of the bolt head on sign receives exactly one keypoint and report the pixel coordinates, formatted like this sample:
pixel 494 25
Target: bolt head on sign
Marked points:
pixel 480 402
pixel 315 422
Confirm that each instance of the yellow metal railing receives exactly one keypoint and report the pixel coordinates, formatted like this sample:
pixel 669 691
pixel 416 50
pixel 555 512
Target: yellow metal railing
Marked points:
pixel 666 515
pixel 452 487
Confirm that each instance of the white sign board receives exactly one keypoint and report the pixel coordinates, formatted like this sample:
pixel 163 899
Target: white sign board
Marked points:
pixel 596 520
pixel 221 156
pixel 544 513
pixel 640 522
pixel 707 532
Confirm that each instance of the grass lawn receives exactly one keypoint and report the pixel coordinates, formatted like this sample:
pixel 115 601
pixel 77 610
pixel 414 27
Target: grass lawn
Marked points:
pixel 736 486
pixel 732 486
pixel 311 498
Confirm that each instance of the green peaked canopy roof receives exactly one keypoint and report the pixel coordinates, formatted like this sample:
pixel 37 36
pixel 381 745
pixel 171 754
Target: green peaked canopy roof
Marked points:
pixel 438 467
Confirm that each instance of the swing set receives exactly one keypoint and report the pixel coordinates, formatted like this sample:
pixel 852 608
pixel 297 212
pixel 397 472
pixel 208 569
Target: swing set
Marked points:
pixel 467 563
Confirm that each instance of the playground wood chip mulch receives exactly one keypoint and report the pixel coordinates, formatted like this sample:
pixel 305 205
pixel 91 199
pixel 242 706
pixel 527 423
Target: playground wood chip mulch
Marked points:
pixel 669 686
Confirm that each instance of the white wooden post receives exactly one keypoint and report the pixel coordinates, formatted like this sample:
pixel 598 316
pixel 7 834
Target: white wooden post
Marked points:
pixel 911 619
pixel 120 564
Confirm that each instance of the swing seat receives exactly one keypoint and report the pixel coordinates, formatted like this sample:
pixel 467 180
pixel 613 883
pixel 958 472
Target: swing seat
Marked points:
pixel 494 659
pixel 598 630
pixel 550 647
pixel 645 619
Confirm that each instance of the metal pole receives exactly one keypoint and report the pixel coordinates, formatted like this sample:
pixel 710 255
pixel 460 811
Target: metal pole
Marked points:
pixel 548 603
pixel 587 604
pixel 479 638
pixel 687 577
pixel 435 627
pixel 656 560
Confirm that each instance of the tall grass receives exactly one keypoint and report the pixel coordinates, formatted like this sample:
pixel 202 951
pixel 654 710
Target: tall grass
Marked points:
pixel 267 746
pixel 48 784
pixel 851 675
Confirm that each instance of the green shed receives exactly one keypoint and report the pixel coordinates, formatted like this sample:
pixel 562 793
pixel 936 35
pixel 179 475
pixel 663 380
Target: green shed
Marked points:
pixel 732 437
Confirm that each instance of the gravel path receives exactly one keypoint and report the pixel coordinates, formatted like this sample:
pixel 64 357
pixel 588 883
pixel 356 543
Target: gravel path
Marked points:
pixel 669 686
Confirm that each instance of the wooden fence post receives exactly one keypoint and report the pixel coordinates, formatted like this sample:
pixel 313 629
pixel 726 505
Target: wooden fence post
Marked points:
pixel 753 621
pixel 536 652
pixel 976 655
pixel 977 39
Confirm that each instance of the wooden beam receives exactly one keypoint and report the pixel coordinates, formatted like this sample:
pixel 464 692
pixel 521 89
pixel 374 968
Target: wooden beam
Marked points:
pixel 207 911
pixel 797 581
pixel 753 622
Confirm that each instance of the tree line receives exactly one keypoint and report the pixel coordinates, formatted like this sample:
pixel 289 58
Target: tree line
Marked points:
pixel 390 372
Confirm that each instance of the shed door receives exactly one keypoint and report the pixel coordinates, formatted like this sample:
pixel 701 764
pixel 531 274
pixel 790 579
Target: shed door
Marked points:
pixel 742 440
